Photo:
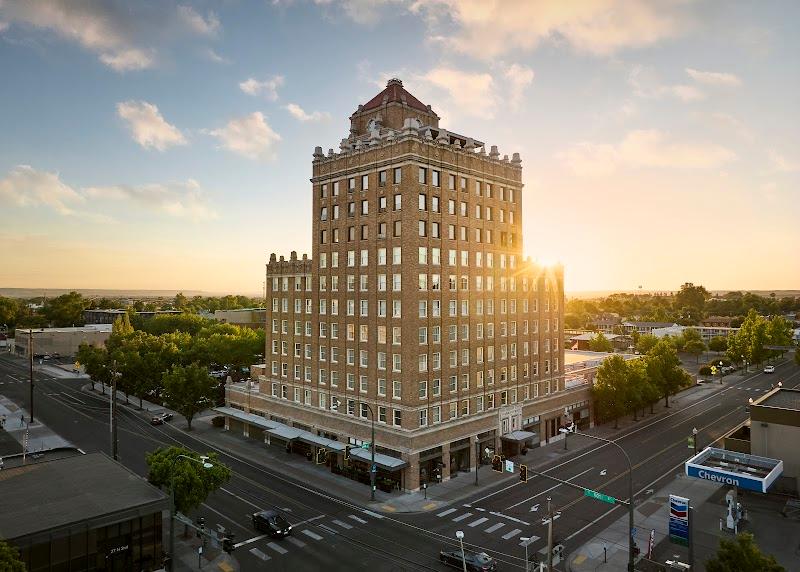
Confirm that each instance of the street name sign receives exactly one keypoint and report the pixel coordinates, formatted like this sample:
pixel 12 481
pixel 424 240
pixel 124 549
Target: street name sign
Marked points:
pixel 598 496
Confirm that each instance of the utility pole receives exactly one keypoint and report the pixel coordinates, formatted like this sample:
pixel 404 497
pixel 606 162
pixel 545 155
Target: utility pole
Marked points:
pixel 549 536
pixel 30 365
pixel 113 410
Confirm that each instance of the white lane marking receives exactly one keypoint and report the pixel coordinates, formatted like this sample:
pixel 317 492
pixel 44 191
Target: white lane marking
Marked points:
pixel 477 522
pixel 312 519
pixel 354 517
pixel 500 514
pixel 531 540
pixel 547 490
pixel 372 514
pixel 244 500
pixel 446 512
pixel 249 541
pixel 480 509
pixel 311 534
pixel 462 517
pixel 296 542
pixel 342 524
pixel 72 397
pixel 247 530
pixel 511 534
pixel 495 527
pixel 257 553
pixel 277 548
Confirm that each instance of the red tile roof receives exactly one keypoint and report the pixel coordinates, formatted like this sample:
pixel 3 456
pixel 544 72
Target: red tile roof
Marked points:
pixel 394 92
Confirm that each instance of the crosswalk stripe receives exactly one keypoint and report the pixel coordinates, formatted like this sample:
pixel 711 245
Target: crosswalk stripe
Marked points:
pixel 328 529
pixel 511 534
pixel 258 554
pixel 342 524
pixel 495 527
pixel 296 542
pixel 277 548
pixel 361 520
pixel 446 512
pixel 310 534
pixel 477 522
pixel 372 514
pixel 462 517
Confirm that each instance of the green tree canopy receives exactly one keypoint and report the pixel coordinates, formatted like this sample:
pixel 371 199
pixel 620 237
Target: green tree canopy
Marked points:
pixel 742 555
pixel 193 483
pixel 664 369
pixel 691 299
pixel 600 343
pixel 646 343
pixel 9 558
pixel 167 323
pixel 9 308
pixel 718 344
pixel 188 390
pixel 610 389
pixel 66 310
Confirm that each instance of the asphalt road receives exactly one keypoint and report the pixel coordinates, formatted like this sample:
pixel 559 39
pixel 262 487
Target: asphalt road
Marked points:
pixel 334 534
pixel 497 519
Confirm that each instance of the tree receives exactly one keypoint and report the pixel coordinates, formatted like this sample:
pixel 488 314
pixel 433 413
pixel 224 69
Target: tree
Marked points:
pixel 66 310
pixel 193 483
pixel 95 362
pixel 693 343
pixel 779 332
pixel 718 344
pixel 600 343
pixel 9 558
pixel 749 341
pixel 189 323
pixel 742 555
pixel 9 308
pixel 645 343
pixel 663 369
pixel 610 387
pixel 188 390
pixel 691 300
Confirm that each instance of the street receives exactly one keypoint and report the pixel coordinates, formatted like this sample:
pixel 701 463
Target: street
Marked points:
pixel 335 534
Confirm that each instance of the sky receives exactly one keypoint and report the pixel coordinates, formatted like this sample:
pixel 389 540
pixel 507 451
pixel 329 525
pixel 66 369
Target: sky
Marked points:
pixel 168 145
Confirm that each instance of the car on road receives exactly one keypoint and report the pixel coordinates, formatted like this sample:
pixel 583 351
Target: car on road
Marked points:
pixel 272 523
pixel 475 561
pixel 769 369
pixel 161 418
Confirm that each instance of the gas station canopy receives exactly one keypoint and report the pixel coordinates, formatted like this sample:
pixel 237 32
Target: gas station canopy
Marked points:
pixel 749 472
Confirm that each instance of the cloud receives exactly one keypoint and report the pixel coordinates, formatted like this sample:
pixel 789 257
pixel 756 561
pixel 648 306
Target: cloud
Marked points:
pixel 3 26
pixel 24 186
pixel 782 163
pixel 101 27
pixel 268 88
pixel 249 136
pixel 215 57
pixel 519 78
pixel 181 200
pixel 148 127
pixel 469 93
pixel 300 114
pixel 364 12
pixel 643 149
pixel 208 26
pixel 646 84
pixel 489 29
pixel 714 78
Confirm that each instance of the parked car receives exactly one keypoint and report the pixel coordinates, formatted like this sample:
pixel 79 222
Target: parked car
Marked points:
pixel 475 561
pixel 769 369
pixel 161 418
pixel 272 523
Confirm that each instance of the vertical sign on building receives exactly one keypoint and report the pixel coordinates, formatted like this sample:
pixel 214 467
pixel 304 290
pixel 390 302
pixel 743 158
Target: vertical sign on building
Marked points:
pixel 679 520
pixel 652 543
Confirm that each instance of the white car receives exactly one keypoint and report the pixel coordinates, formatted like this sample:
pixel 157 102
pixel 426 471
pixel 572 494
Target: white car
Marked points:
pixel 769 369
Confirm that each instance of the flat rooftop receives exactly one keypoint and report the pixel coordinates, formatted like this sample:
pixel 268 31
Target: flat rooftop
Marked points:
pixel 581 356
pixel 52 494
pixel 783 398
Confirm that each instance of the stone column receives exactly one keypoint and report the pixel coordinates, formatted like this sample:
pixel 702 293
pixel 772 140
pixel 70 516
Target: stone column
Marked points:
pixel 473 455
pixel 246 429
pixel 411 473
pixel 445 462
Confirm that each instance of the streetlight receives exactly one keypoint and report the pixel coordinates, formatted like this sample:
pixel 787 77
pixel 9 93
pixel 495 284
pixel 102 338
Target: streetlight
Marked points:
pixel 744 361
pixel 525 543
pixel 460 536
pixel 694 439
pixel 631 556
pixel 372 468
pixel 721 373
pixel 203 460
pixel 477 458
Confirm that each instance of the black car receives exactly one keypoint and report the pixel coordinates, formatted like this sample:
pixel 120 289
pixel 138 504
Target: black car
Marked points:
pixel 161 418
pixel 476 561
pixel 272 523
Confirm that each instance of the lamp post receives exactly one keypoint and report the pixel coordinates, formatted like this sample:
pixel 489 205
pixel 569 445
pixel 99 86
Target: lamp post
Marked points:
pixel 744 361
pixel 203 460
pixel 721 373
pixel 30 365
pixel 631 556
pixel 460 536
pixel 525 543
pixel 694 439
pixel 477 458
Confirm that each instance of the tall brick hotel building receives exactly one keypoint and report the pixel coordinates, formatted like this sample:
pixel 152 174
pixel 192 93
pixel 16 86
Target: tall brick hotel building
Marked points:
pixel 416 306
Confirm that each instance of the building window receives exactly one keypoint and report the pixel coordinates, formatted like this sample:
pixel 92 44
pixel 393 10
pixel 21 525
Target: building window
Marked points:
pixel 382 179
pixel 398 417
pixel 364 182
pixel 423 175
pixel 435 175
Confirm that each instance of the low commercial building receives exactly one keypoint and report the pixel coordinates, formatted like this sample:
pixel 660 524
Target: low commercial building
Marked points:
pixel 62 342
pixel 645 327
pixel 583 341
pixel 85 512
pixel 706 332
pixel 606 323
pixel 254 318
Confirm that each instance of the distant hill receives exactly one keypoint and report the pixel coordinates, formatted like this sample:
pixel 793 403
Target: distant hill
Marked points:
pixel 101 293
pixel 589 294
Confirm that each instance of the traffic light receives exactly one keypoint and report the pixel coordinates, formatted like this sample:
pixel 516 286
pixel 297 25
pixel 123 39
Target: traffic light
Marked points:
pixel 497 463
pixel 523 473
pixel 227 542
pixel 201 526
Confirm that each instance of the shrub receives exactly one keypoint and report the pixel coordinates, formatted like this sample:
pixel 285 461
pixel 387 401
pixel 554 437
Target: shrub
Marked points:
pixel 705 370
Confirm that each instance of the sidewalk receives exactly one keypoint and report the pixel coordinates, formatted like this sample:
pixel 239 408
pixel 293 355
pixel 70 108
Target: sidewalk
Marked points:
pixel 40 437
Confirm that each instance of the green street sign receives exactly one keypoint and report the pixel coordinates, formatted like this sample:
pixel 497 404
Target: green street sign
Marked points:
pixel 690 442
pixel 598 496
pixel 365 445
